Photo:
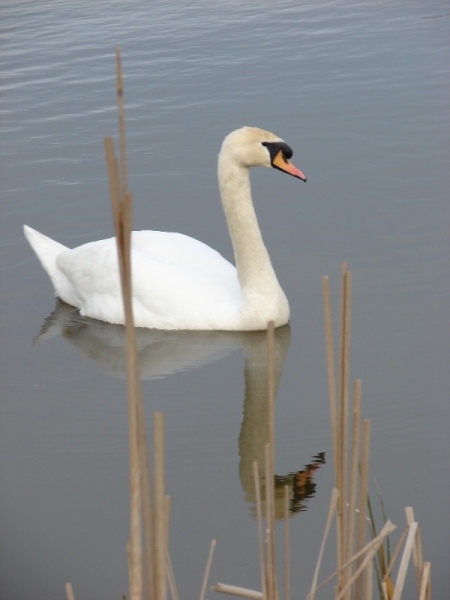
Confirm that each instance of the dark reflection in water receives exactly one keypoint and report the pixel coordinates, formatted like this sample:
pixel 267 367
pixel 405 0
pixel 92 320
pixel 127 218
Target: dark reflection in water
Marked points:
pixel 255 427
pixel 301 485
pixel 162 353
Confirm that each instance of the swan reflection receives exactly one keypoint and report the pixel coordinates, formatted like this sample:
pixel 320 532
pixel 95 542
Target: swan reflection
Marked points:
pixel 162 353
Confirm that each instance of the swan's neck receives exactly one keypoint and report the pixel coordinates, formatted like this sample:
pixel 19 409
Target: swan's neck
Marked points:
pixel 255 272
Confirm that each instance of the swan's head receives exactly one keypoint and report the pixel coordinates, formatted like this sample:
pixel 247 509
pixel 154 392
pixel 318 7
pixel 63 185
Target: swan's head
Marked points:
pixel 253 147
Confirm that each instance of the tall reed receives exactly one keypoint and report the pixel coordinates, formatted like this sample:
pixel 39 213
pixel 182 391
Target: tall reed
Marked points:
pixel 149 504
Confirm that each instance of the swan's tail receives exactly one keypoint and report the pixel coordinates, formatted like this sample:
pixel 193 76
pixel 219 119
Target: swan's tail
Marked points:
pixel 47 250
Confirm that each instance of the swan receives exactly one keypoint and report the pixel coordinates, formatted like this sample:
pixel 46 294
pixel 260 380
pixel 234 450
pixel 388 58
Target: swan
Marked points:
pixel 180 282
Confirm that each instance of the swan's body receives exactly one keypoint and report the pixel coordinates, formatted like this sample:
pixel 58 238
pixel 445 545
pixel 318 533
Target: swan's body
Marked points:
pixel 179 282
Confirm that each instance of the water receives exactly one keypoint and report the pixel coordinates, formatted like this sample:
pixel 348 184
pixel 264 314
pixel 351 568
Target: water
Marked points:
pixel 360 91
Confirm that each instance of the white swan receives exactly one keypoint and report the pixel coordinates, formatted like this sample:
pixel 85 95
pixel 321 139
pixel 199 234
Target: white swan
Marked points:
pixel 179 282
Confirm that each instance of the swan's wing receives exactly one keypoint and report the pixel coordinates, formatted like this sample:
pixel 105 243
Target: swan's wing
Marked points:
pixel 177 249
pixel 178 282
pixel 184 283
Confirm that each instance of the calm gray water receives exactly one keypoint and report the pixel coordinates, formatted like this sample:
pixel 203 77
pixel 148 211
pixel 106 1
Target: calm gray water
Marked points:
pixel 360 90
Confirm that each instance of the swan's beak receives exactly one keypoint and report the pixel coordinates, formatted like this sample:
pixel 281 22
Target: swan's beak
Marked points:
pixel 282 163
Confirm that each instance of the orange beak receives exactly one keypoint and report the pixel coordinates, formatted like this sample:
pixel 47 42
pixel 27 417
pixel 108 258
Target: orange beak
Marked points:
pixel 282 163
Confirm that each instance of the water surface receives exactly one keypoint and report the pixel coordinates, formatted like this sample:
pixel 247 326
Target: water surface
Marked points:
pixel 360 91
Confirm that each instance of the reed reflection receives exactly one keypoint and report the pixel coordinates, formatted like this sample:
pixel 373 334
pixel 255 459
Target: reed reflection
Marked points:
pixel 162 353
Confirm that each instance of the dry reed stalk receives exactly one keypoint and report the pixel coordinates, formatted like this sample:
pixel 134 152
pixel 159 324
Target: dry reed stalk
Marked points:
pixel 343 406
pixel 363 487
pixel 353 471
pixel 271 415
pixel 409 545
pixel 417 550
pixel 135 465
pixel 425 584
pixel 342 457
pixel 260 532
pixel 335 421
pixel 146 488
pixel 123 155
pixel 270 523
pixel 331 373
pixel 270 465
pixel 368 577
pixel 146 500
pixel 121 202
pixel 332 509
pixel 237 591
pixel 287 559
pixel 69 592
pixel 121 207
pixel 207 569
pixel 159 526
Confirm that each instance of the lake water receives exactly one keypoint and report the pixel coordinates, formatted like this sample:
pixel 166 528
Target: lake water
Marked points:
pixel 360 90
